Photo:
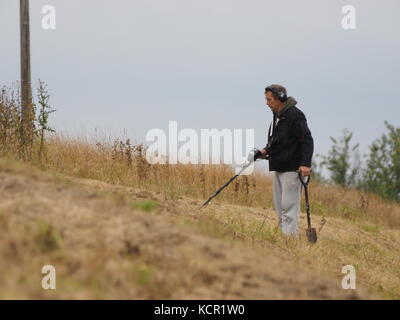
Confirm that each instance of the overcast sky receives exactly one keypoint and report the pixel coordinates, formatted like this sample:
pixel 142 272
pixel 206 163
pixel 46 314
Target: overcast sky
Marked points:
pixel 132 66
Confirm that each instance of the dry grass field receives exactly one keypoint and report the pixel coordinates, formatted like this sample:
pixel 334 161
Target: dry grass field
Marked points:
pixel 116 227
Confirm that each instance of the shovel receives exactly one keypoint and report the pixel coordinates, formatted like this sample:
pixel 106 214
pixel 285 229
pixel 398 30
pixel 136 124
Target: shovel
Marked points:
pixel 310 232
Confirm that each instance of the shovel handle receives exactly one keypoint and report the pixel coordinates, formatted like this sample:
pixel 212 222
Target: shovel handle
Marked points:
pixel 306 181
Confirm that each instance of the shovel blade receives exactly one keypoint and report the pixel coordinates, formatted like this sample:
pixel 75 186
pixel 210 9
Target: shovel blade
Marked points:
pixel 311 235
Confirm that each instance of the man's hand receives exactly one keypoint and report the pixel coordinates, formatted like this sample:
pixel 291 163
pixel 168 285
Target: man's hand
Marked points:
pixel 264 153
pixel 254 154
pixel 305 171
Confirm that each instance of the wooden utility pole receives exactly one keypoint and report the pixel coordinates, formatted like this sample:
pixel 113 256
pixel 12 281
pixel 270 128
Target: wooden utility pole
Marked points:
pixel 26 90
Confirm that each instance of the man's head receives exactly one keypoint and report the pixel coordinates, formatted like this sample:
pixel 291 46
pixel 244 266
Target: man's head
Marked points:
pixel 276 96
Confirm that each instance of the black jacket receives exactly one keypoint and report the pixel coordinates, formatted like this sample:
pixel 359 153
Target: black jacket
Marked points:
pixel 290 143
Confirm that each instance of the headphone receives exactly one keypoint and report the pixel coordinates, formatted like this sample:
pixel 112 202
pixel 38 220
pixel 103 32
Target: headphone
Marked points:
pixel 281 95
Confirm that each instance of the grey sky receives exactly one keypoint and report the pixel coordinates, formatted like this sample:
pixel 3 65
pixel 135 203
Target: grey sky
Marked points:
pixel 134 65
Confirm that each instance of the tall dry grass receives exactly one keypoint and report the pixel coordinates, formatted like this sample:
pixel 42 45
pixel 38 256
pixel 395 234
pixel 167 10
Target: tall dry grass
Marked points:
pixel 120 162
pixel 10 120
pixel 18 140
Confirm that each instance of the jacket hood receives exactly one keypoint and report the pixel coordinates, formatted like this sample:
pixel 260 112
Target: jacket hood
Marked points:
pixel 290 102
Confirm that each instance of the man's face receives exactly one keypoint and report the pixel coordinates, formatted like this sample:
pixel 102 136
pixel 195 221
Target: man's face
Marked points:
pixel 274 104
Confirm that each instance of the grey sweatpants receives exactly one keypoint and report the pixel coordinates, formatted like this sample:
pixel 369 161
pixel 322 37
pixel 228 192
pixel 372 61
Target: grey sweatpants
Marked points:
pixel 287 193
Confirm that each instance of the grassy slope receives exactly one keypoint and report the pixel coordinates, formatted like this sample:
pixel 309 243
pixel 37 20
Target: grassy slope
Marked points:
pixel 115 241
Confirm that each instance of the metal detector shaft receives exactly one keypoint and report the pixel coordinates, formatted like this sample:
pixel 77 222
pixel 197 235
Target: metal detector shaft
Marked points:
pixel 225 185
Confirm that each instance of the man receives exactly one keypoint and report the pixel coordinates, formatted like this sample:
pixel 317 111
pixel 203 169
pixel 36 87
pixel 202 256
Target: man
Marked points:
pixel 289 149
